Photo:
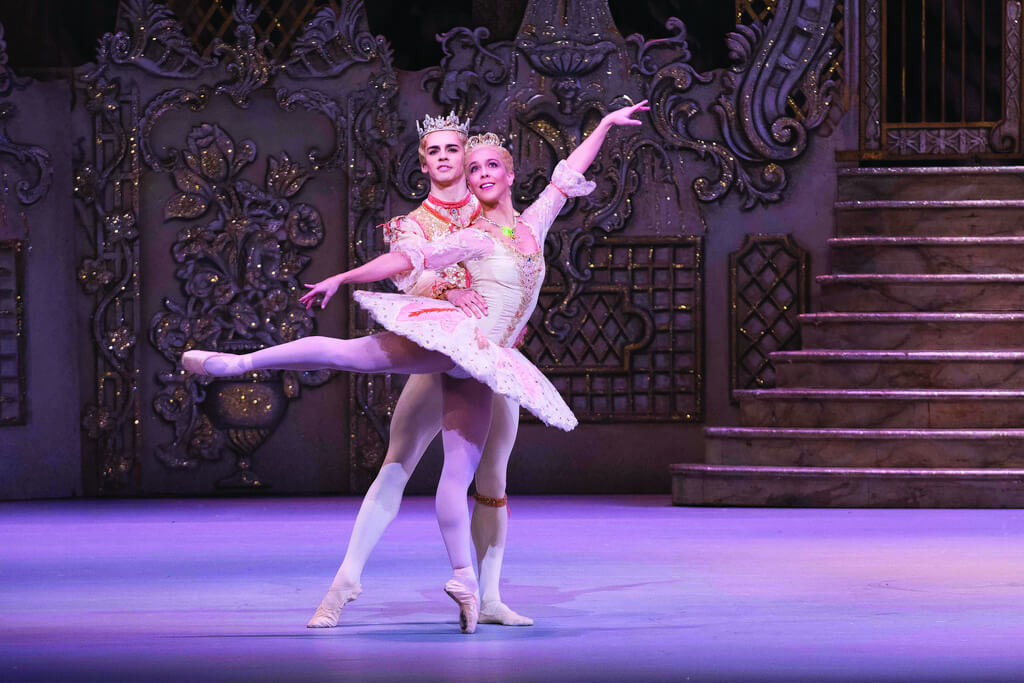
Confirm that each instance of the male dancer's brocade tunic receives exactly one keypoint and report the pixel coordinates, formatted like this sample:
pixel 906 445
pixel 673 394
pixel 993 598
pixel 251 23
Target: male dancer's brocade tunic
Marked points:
pixel 507 279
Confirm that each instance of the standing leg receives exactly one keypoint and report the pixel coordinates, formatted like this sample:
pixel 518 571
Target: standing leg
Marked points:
pixel 490 513
pixel 416 422
pixel 464 426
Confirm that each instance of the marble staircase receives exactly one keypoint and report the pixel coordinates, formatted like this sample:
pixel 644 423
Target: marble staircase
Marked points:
pixel 909 388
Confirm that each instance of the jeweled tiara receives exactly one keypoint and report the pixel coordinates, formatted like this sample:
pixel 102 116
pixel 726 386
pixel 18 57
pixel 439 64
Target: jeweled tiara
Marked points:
pixel 432 124
pixel 487 139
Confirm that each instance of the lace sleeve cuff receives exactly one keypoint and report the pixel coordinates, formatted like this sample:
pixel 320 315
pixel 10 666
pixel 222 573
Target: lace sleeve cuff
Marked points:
pixel 406 280
pixel 569 182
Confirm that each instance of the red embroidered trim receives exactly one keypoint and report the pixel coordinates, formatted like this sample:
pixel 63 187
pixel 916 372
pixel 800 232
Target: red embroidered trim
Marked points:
pixel 430 310
pixel 449 205
pixel 560 190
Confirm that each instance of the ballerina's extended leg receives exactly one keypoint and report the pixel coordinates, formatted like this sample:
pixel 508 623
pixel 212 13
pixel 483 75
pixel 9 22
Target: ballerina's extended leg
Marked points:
pixel 383 352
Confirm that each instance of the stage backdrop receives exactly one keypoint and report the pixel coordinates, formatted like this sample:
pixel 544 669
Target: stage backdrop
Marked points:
pixel 181 189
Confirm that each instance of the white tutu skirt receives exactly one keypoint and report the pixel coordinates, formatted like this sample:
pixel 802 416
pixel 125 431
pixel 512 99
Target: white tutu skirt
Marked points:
pixel 440 326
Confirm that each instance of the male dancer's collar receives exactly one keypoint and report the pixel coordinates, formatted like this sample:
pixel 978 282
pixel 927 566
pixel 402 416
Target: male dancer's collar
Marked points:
pixel 449 205
pixel 439 209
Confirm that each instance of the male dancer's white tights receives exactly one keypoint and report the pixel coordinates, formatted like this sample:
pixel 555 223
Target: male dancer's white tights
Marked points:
pixel 417 419
pixel 415 423
pixel 465 420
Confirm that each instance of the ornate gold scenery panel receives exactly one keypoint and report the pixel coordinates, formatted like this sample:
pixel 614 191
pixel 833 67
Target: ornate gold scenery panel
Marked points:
pixel 620 325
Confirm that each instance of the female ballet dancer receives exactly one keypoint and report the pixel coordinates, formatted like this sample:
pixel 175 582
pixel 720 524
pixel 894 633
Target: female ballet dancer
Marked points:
pixel 503 253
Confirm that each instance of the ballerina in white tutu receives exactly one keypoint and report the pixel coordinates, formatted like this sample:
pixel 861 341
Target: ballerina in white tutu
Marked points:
pixel 503 252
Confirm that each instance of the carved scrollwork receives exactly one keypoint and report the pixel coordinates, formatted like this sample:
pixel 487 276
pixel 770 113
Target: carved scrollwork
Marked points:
pixel 248 61
pixel 29 191
pixel 149 37
pixel 165 102
pixel 468 71
pixel 314 100
pixel 238 271
pixel 38 159
pixel 759 132
pixel 332 42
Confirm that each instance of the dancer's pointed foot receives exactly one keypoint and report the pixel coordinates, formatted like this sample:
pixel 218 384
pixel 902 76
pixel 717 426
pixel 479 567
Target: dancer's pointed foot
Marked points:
pixel 195 361
pixel 502 614
pixel 329 611
pixel 463 589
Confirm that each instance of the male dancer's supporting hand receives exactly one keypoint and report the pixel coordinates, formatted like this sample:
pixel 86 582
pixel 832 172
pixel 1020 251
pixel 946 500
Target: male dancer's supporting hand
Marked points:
pixel 468 301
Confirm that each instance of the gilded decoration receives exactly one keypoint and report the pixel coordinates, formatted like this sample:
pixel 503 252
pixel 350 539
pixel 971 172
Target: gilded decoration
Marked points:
pixel 624 342
pixel 106 184
pixel 239 258
pixel 769 280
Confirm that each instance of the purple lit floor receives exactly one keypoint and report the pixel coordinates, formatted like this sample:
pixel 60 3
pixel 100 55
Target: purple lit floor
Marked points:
pixel 622 588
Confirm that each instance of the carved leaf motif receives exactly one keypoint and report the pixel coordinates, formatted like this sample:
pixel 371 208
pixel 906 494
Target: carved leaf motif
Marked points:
pixel 185 206
pixel 284 177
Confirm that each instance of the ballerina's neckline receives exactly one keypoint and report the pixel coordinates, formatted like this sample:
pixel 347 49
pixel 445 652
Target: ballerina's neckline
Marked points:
pixel 508 235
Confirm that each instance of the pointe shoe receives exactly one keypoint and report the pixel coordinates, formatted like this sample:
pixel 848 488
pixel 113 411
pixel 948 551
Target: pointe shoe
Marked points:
pixel 195 361
pixel 502 614
pixel 329 611
pixel 469 605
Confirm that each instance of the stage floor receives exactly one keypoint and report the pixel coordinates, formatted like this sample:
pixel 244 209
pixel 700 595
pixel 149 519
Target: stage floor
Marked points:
pixel 622 589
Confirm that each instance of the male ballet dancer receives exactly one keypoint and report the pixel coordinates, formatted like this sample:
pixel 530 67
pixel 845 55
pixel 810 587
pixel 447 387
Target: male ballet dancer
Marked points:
pixel 417 418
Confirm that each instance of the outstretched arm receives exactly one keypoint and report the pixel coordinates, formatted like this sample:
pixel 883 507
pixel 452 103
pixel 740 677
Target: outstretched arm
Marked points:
pixel 380 268
pixel 463 245
pixel 584 155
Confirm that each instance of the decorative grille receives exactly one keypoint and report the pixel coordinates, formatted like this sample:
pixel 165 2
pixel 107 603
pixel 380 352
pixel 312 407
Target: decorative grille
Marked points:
pixel 768 289
pixel 206 21
pixel 13 396
pixel 631 348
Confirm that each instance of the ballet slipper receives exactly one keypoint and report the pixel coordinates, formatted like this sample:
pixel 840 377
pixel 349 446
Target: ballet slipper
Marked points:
pixel 329 611
pixel 195 361
pixel 462 588
pixel 502 614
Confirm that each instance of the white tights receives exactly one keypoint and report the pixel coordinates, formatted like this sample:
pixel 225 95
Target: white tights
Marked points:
pixel 465 421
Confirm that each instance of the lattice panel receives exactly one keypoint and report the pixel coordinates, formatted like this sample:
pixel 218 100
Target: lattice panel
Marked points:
pixel 768 289
pixel 279 21
pixel 13 397
pixel 631 349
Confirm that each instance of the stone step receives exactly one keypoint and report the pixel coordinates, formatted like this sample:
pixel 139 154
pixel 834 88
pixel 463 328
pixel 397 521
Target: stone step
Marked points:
pixel 948 182
pixel 922 292
pixel 899 369
pixel 924 331
pixel 949 254
pixel 882 408
pixel 719 485
pixel 929 217
pixel 844 447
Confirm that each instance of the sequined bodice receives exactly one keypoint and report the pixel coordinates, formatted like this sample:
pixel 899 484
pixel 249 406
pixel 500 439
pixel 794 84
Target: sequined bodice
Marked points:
pixel 510 283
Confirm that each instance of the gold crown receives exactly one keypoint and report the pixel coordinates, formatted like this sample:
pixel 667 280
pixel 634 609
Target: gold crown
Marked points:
pixel 432 124
pixel 487 139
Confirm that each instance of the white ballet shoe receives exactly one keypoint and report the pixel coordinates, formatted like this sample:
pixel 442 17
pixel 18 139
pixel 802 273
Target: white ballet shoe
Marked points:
pixel 329 611
pixel 195 361
pixel 502 614
pixel 463 590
